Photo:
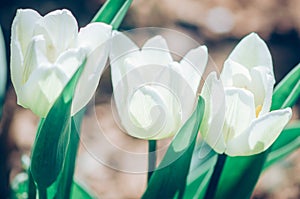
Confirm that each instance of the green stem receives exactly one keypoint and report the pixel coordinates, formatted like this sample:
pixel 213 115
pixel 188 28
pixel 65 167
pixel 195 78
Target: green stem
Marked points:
pixel 151 158
pixel 31 186
pixel 213 183
pixel 42 193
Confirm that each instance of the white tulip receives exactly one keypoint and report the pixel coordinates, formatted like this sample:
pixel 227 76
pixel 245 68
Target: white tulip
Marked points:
pixel 247 125
pixel 154 95
pixel 46 52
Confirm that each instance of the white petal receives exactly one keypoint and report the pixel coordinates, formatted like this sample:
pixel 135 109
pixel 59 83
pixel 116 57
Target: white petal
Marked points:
pixel 156 51
pixel 239 113
pixel 90 77
pixel 197 58
pixel 184 90
pixel 94 35
pixel 260 135
pixel 262 87
pixel 234 74
pixel 16 65
pixel 252 51
pixel 122 49
pixel 214 114
pixel 148 116
pixel 21 34
pixel 35 56
pixel 42 89
pixel 192 66
pixel 23 27
pixel 121 46
pixel 60 30
pixel 70 60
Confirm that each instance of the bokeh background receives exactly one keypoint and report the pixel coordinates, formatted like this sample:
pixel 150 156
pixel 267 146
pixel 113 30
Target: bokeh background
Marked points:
pixel 219 24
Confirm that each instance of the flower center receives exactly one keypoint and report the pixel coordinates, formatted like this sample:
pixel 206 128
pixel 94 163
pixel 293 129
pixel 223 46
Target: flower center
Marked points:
pixel 257 110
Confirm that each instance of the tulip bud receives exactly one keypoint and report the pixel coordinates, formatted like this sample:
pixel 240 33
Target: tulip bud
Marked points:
pixel 247 125
pixel 46 52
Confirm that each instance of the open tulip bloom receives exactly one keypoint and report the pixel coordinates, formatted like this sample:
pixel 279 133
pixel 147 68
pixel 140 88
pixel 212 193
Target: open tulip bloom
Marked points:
pixel 46 52
pixel 245 126
pixel 154 95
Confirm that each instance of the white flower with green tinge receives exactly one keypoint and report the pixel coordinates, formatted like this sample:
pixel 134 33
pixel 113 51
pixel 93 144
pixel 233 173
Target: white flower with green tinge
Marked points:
pixel 154 95
pixel 46 52
pixel 245 126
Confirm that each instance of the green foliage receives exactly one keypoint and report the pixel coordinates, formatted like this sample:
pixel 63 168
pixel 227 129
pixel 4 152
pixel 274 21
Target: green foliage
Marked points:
pixel 239 176
pixel 201 171
pixel 287 91
pixel 19 188
pixel 113 12
pixel 286 143
pixel 49 151
pixel 65 183
pixel 170 176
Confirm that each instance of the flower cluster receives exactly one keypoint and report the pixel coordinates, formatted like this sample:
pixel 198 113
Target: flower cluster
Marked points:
pixel 154 95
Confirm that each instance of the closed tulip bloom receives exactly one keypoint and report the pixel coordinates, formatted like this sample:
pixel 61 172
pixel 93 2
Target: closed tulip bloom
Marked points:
pixel 247 125
pixel 46 52
pixel 154 95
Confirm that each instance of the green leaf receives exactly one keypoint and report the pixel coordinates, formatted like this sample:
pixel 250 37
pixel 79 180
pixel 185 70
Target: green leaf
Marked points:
pixel 287 91
pixel 65 182
pixel 113 12
pixel 287 142
pixel 120 15
pixel 3 72
pixel 80 192
pixel 239 176
pixel 170 176
pixel 49 149
pixel 199 177
pixel 19 188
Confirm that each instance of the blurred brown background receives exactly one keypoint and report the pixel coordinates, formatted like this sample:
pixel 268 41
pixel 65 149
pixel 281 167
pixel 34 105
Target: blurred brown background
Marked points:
pixel 219 24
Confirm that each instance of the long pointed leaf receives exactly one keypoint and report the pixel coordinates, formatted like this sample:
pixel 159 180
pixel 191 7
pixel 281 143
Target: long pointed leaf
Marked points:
pixel 287 91
pixel 65 184
pixel 121 14
pixel 49 149
pixel 198 178
pixel 170 177
pixel 287 142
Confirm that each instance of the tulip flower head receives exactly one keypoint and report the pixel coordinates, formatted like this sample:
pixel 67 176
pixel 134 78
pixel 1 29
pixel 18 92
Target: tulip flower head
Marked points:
pixel 247 125
pixel 154 95
pixel 46 52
